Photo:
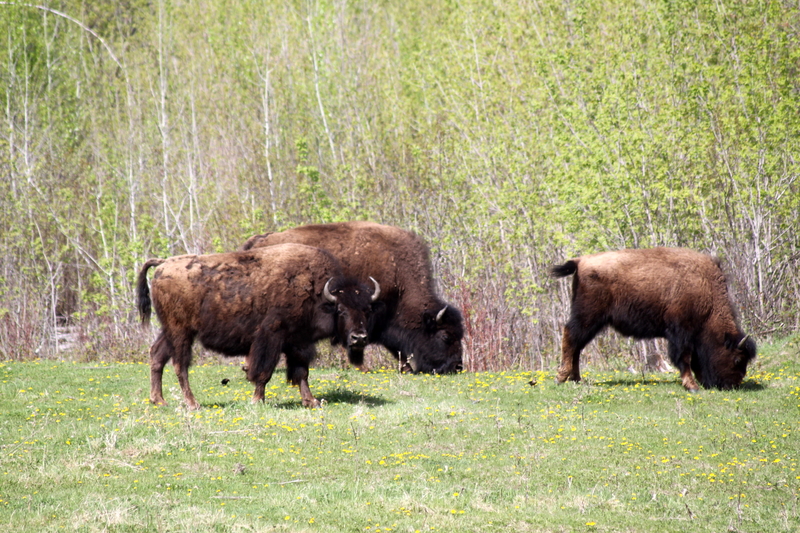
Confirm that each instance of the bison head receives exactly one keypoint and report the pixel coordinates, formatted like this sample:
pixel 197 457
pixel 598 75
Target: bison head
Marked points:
pixel 440 350
pixel 726 368
pixel 352 303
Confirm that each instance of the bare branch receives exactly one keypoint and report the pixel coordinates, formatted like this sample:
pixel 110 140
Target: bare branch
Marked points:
pixel 71 19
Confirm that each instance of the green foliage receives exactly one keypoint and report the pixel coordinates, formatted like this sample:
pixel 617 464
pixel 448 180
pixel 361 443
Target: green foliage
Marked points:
pixel 314 203
pixel 509 136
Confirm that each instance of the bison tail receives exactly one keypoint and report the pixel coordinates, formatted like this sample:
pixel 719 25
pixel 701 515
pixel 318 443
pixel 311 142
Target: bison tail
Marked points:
pixel 143 304
pixel 567 269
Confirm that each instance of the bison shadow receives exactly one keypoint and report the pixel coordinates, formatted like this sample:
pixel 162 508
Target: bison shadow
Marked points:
pixel 752 385
pixel 217 405
pixel 634 381
pixel 338 395
pixel 747 385
pixel 331 397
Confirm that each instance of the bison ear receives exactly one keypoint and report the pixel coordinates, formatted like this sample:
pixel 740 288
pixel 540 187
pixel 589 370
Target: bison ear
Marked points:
pixel 730 341
pixel 378 308
pixel 328 307
pixel 429 321
pixel 434 320
pixel 738 342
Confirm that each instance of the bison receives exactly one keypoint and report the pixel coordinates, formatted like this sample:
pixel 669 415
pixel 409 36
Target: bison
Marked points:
pixel 674 293
pixel 258 303
pixel 418 327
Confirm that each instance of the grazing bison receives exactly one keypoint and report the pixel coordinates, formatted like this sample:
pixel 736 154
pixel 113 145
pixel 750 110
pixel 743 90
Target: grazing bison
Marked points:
pixel 258 303
pixel 673 293
pixel 417 328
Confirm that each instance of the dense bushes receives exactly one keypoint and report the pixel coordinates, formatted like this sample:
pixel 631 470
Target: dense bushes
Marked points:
pixel 509 135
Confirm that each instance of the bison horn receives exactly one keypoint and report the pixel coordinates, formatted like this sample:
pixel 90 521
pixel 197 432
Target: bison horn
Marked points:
pixel 377 291
pixel 741 342
pixel 330 297
pixel 440 314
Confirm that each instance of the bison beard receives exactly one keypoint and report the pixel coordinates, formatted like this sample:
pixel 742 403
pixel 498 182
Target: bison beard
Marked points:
pixel 418 328
pixel 259 304
pixel 674 293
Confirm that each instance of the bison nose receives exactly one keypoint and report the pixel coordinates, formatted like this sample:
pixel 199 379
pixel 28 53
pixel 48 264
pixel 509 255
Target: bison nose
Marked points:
pixel 358 339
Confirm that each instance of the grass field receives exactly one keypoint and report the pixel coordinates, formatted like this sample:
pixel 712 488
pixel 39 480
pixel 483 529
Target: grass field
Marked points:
pixel 81 449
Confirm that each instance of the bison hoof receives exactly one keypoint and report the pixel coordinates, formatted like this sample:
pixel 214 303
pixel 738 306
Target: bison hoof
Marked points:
pixel 315 404
pixel 690 385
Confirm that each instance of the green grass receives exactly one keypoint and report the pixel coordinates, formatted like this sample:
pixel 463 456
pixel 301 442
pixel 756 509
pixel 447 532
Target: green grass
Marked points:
pixel 81 449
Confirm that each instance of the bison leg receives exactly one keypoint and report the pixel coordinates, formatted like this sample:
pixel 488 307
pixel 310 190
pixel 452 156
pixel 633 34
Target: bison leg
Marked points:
pixel 261 361
pixel 403 361
pixel 391 339
pixel 403 364
pixel 697 368
pixel 687 380
pixel 576 337
pixel 297 361
pixel 569 370
pixel 160 353
pixel 181 360
pixel 180 351
pixel 682 358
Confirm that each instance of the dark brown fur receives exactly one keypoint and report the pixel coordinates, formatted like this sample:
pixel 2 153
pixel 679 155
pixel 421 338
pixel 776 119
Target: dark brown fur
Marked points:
pixel 258 303
pixel 674 293
pixel 412 329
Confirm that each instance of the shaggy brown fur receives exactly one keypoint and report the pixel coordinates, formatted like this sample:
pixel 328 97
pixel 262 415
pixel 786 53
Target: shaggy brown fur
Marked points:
pixel 674 293
pixel 257 303
pixel 418 326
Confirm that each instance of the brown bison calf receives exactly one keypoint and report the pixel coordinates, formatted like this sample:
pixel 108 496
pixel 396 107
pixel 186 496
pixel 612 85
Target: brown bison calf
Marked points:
pixel 258 303
pixel 673 293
